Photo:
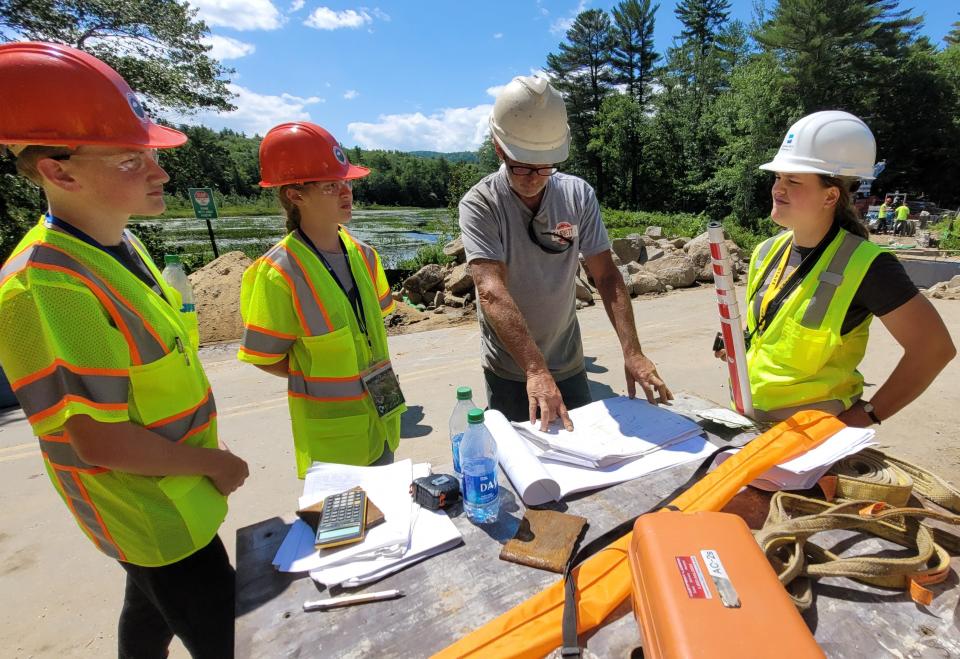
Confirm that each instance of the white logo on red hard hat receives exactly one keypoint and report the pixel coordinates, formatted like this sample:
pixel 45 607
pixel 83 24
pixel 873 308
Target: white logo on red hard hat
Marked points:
pixel 338 154
pixel 202 197
pixel 136 106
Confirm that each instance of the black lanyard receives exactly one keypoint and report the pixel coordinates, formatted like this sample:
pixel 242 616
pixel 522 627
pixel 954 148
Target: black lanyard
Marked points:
pixel 353 296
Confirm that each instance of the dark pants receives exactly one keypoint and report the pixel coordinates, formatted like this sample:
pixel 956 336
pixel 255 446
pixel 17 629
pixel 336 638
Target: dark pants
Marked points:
pixel 510 397
pixel 192 598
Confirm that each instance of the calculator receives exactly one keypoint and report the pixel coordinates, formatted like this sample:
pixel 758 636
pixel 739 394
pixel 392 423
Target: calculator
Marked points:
pixel 343 519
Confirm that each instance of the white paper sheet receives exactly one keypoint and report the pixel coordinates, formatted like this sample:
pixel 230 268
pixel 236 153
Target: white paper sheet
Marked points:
pixel 539 481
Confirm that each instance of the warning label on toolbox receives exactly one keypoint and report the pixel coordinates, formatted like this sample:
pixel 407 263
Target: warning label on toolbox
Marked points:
pixel 693 579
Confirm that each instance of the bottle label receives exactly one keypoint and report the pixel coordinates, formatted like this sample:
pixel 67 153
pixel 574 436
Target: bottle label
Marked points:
pixel 455 444
pixel 188 308
pixel 483 489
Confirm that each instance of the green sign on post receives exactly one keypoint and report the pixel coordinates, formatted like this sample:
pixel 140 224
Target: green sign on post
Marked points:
pixel 205 208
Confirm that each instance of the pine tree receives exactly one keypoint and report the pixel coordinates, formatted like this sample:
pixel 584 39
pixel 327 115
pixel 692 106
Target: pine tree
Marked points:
pixel 633 57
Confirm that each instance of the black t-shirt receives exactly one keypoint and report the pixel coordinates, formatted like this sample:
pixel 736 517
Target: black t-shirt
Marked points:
pixel 885 287
pixel 129 258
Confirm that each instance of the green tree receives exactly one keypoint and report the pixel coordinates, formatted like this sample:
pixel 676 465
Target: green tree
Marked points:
pixel 156 45
pixel 581 71
pixel 615 139
pixel 633 56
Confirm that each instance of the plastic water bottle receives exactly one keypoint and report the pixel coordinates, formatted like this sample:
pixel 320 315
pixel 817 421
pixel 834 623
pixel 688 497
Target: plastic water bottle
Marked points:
pixel 478 460
pixel 174 274
pixel 458 425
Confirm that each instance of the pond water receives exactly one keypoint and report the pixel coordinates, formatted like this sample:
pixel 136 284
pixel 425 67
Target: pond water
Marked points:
pixel 396 234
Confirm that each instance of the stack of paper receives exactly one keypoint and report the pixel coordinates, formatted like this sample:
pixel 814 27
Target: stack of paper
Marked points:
pixel 607 432
pixel 408 534
pixel 804 471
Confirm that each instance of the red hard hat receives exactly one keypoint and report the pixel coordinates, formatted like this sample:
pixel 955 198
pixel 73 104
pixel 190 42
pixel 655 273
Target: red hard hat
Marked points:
pixel 59 96
pixel 298 152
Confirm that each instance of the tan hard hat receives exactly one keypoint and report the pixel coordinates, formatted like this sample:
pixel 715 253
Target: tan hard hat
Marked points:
pixel 529 122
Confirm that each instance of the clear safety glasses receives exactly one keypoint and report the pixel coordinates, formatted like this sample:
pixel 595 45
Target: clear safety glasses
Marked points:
pixel 130 162
pixel 330 187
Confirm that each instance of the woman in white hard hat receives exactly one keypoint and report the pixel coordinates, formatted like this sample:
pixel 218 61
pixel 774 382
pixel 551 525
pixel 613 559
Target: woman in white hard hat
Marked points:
pixel 813 290
pixel 313 307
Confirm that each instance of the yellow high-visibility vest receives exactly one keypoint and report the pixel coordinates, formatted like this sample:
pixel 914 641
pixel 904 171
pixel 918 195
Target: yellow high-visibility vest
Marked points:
pixel 801 361
pixel 81 334
pixel 291 305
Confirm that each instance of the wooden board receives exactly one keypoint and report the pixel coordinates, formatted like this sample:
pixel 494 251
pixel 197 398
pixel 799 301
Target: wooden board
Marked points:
pixel 449 595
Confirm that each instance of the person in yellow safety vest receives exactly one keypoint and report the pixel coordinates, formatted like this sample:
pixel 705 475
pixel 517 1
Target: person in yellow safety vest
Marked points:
pixel 313 307
pixel 882 215
pixel 902 213
pixel 96 349
pixel 813 290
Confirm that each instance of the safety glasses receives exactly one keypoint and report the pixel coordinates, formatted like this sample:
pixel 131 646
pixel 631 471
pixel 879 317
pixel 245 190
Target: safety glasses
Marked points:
pixel 330 187
pixel 130 162
pixel 523 170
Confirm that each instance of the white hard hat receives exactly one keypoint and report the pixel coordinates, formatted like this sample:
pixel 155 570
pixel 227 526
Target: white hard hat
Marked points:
pixel 832 142
pixel 529 122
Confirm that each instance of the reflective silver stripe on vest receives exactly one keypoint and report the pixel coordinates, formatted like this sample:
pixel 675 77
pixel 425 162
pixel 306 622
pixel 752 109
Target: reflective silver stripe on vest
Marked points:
pixel 43 393
pixel 146 344
pixel 830 280
pixel 85 514
pixel 834 407
pixel 327 389
pixel 762 253
pixel 263 343
pixel 386 301
pixel 182 425
pixel 17 263
pixel 313 314
pixel 60 453
pixel 370 259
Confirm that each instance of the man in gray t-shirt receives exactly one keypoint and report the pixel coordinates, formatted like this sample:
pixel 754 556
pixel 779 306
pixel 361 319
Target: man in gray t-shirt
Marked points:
pixel 523 229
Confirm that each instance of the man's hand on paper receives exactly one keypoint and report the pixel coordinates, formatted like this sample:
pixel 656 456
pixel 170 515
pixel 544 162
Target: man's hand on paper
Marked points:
pixel 542 392
pixel 637 368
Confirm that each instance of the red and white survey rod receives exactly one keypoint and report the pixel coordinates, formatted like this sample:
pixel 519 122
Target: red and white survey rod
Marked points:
pixel 730 324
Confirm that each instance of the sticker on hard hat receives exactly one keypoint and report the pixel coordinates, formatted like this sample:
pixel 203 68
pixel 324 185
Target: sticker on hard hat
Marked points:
pixel 338 154
pixel 136 106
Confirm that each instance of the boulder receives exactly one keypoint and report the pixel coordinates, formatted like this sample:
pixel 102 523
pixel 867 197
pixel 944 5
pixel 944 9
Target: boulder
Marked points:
pixel 654 253
pixel 677 271
pixel 633 268
pixel 631 248
pixel 644 282
pixel 438 299
pixel 648 241
pixel 698 250
pixel 459 281
pixel 654 232
pixel 439 310
pixel 425 280
pixel 584 291
pixel 617 261
pixel 414 297
pixel 397 295
pixel 679 243
pixel 455 250
pixel 453 301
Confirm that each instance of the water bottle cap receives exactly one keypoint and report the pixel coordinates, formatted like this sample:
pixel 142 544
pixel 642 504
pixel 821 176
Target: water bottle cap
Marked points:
pixel 475 415
pixel 169 259
pixel 464 393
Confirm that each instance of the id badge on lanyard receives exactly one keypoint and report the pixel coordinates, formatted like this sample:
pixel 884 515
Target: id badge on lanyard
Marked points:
pixel 383 386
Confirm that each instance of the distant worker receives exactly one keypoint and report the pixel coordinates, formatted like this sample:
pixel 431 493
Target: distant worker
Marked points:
pixel 813 290
pixel 98 354
pixel 903 212
pixel 882 215
pixel 313 307
pixel 524 228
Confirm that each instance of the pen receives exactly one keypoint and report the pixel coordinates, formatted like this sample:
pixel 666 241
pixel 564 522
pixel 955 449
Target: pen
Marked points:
pixel 347 600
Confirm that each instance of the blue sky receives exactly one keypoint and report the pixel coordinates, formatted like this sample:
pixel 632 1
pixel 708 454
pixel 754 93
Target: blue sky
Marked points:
pixel 419 74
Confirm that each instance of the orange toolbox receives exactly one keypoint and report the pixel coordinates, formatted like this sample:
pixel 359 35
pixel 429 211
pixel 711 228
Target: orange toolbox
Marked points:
pixel 703 589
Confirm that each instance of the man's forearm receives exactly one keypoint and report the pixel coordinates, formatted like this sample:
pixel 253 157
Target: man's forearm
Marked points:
pixel 504 316
pixel 280 368
pixel 616 302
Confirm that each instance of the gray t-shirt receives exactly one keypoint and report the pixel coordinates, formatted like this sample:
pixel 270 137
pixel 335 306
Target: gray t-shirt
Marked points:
pixel 494 223
pixel 338 261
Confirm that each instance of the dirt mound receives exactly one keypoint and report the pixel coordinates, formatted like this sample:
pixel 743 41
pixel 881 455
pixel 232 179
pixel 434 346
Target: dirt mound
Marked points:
pixel 407 319
pixel 216 288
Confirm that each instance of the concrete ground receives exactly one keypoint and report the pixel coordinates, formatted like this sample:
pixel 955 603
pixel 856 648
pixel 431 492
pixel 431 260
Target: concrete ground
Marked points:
pixel 60 597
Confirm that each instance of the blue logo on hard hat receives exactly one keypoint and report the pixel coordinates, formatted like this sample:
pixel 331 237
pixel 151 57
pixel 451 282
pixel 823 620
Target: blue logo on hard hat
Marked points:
pixel 338 154
pixel 789 139
pixel 136 106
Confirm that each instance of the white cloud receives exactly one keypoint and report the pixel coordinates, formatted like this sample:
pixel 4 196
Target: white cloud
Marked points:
pixel 498 35
pixel 324 18
pixel 450 129
pixel 295 6
pixel 560 26
pixel 378 13
pixel 495 90
pixel 351 94
pixel 224 48
pixel 256 113
pixel 239 14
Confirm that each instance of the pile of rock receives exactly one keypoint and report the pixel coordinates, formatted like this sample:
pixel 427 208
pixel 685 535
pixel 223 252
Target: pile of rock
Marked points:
pixel 652 263
pixel 945 290
pixel 441 288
